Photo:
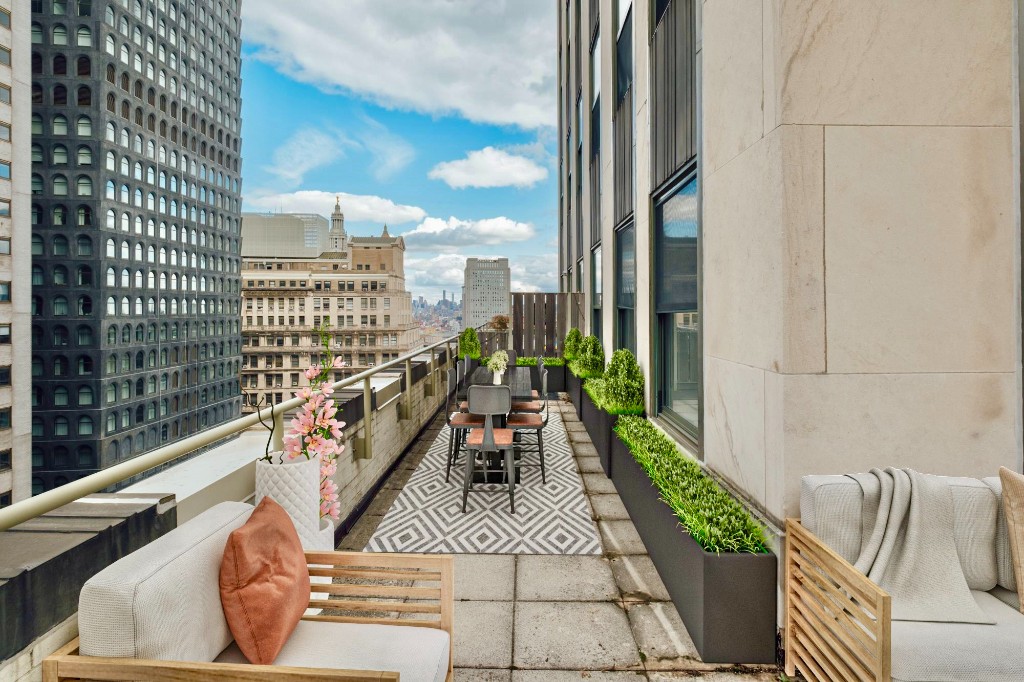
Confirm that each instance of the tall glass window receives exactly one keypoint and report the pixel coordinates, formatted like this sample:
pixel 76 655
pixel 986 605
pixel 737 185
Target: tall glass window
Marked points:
pixel 595 278
pixel 676 252
pixel 625 272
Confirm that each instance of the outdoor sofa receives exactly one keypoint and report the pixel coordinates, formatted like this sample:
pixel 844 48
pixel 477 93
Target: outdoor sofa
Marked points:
pixel 838 623
pixel 156 615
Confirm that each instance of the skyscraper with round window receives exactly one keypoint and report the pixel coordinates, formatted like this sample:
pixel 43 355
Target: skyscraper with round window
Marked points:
pixel 136 334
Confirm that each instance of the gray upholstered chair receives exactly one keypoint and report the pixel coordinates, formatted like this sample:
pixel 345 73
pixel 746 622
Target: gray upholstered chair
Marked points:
pixel 458 423
pixel 490 402
pixel 525 422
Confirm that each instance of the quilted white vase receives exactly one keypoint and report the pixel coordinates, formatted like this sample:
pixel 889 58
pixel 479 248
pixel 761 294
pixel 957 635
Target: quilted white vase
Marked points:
pixel 295 485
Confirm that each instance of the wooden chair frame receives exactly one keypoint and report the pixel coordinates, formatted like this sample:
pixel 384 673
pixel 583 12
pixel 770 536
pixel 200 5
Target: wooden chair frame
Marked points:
pixel 68 664
pixel 838 623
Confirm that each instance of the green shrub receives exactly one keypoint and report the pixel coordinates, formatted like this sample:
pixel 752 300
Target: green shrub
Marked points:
pixel 554 362
pixel 571 347
pixel 526 362
pixel 622 387
pixel 469 344
pixel 709 514
pixel 589 362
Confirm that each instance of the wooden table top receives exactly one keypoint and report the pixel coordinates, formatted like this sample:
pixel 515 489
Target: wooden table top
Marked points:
pixel 516 378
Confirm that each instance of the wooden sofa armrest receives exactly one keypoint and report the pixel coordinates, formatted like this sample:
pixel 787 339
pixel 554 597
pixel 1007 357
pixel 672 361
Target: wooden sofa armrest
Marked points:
pixel 66 664
pixel 837 621
pixel 387 589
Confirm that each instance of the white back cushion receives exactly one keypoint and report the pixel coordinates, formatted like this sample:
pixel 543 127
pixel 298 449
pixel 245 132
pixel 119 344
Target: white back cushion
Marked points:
pixel 1004 560
pixel 163 600
pixel 975 517
pixel 831 507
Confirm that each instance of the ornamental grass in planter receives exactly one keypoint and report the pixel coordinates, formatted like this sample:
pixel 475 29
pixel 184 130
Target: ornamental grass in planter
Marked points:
pixel 619 392
pixel 711 554
pixel 588 364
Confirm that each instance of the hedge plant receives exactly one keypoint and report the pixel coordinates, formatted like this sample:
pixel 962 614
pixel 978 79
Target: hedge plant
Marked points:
pixel 709 514
pixel 532 362
pixel 621 389
pixel 469 344
pixel 589 361
pixel 571 347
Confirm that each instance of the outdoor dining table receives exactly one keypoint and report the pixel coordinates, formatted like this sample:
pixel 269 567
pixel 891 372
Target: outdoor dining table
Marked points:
pixel 516 378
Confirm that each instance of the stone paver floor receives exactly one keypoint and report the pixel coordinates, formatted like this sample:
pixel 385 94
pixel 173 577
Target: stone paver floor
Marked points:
pixel 529 618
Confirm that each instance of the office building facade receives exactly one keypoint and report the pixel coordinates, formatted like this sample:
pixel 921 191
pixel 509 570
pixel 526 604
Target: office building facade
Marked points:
pixel 15 294
pixel 487 290
pixel 357 294
pixel 816 275
pixel 136 335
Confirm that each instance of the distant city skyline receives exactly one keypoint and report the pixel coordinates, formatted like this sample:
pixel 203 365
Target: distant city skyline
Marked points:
pixel 467 173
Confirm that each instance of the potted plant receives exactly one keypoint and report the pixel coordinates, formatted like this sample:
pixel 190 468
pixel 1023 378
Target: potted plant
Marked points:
pixel 619 392
pixel 711 554
pixel 469 347
pixel 500 324
pixel 570 349
pixel 498 363
pixel 588 364
pixel 300 478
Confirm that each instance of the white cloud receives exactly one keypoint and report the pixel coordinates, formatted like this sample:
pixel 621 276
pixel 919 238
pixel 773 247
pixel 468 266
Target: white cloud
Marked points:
pixel 491 62
pixel 305 150
pixel 391 153
pixel 435 234
pixel 489 167
pixel 357 207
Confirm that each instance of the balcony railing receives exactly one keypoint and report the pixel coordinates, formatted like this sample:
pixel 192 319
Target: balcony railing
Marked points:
pixel 38 505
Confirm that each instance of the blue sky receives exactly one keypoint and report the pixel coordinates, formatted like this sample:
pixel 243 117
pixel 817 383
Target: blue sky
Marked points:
pixel 435 117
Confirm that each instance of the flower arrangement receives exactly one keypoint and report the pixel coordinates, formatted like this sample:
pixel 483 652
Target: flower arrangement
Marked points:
pixel 315 430
pixel 498 362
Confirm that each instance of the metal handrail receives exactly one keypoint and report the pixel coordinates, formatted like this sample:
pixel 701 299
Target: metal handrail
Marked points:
pixel 37 505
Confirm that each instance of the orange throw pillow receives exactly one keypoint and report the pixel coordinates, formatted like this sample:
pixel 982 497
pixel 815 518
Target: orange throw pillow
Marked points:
pixel 264 582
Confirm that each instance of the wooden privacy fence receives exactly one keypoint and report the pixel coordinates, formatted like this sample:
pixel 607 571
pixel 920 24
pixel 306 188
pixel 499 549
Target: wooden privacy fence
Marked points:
pixel 538 324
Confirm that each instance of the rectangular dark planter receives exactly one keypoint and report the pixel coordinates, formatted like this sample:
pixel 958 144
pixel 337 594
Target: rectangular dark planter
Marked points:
pixel 590 416
pixel 574 386
pixel 556 378
pixel 603 442
pixel 727 601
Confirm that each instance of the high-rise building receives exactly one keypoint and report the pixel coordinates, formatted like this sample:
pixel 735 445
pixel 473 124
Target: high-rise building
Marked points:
pixel 486 291
pixel 285 234
pixel 136 335
pixel 356 292
pixel 15 294
pixel 812 251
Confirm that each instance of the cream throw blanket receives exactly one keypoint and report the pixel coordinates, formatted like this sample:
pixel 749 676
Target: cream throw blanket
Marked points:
pixel 907 547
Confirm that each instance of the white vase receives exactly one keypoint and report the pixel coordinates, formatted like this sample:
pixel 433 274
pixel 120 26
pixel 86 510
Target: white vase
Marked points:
pixel 295 485
pixel 497 378
pixel 325 538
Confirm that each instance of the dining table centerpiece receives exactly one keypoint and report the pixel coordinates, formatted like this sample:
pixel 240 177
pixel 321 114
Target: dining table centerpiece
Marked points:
pixel 498 363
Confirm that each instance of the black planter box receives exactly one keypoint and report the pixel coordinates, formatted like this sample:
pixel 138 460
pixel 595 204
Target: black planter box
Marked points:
pixel 727 601
pixel 556 378
pixel 590 416
pixel 574 387
pixel 603 442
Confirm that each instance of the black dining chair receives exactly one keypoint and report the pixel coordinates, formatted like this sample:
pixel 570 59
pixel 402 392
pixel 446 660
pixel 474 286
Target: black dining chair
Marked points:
pixel 490 402
pixel 458 423
pixel 523 422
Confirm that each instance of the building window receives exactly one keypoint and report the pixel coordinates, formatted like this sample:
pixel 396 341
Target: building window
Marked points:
pixel 5 18
pixel 595 278
pixel 5 56
pixel 5 418
pixel 5 291
pixel 5 334
pixel 625 272
pixel 5 246
pixel 5 459
pixel 5 376
pixel 5 170
pixel 677 304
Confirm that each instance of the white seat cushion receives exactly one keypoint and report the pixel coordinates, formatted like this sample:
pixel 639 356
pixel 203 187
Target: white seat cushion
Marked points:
pixel 163 601
pixel 1004 559
pixel 975 517
pixel 416 654
pixel 961 652
pixel 830 507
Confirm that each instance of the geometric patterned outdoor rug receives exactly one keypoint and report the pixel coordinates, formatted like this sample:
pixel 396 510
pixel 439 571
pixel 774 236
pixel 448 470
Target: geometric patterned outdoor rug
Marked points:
pixel 550 518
